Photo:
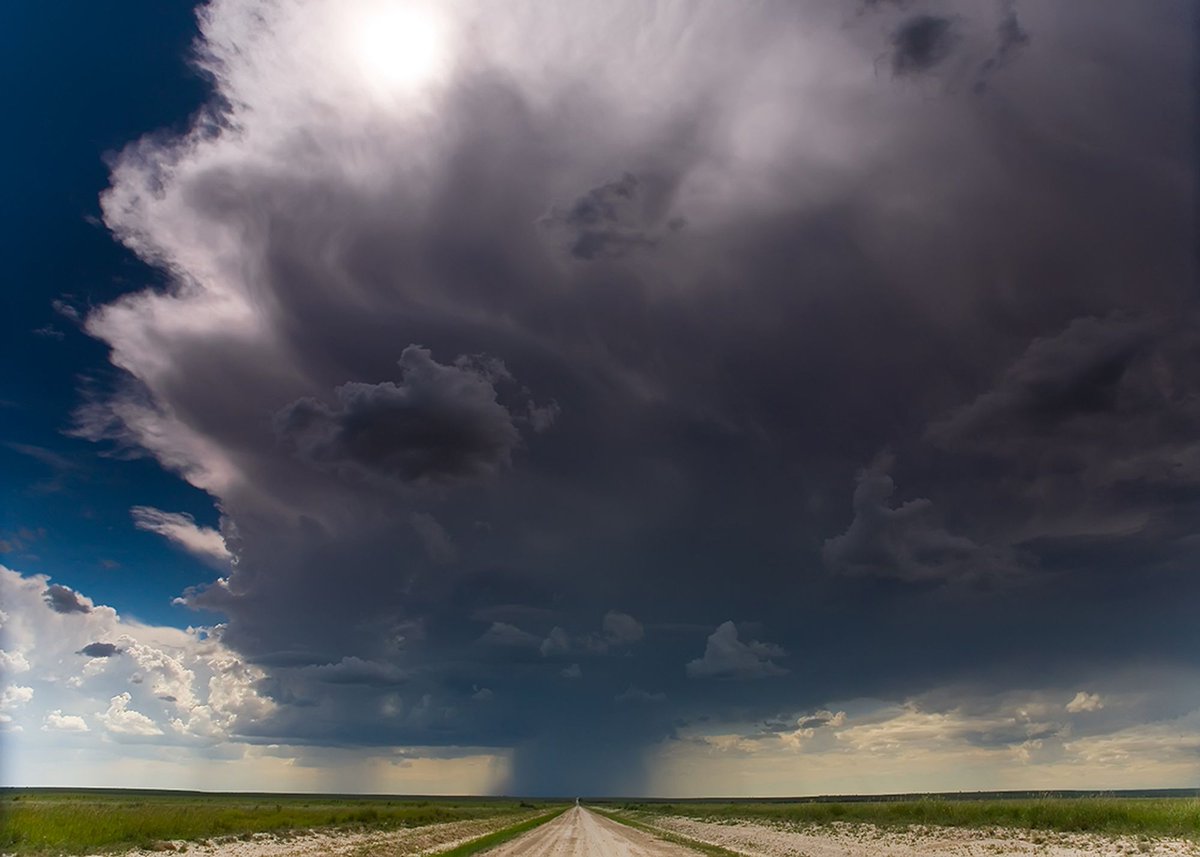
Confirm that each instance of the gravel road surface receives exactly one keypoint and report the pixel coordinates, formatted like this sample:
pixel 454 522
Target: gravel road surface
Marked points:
pixel 579 833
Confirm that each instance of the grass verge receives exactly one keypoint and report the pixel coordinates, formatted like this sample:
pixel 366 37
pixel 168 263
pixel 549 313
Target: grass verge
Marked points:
pixel 499 837
pixel 54 822
pixel 1174 817
pixel 667 835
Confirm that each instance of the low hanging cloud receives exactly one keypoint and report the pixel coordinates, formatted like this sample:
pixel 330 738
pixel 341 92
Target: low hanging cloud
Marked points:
pixel 921 43
pixel 100 650
pixel 439 423
pixel 63 599
pixel 182 530
pixel 726 656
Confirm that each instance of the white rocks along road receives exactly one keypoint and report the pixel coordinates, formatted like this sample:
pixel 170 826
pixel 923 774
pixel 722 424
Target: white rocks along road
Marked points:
pixel 580 833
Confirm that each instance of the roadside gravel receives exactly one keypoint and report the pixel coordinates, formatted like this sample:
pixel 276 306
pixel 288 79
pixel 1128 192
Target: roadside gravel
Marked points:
pixel 867 840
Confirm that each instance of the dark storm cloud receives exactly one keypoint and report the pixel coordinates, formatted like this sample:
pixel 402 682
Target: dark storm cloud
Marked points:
pixel 863 268
pixel 440 422
pixel 921 43
pixel 1075 375
pixel 63 599
pixel 100 650
pixel 1093 429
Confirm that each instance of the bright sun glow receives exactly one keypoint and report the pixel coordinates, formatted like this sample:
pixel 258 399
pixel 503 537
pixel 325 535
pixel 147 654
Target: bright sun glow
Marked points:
pixel 401 45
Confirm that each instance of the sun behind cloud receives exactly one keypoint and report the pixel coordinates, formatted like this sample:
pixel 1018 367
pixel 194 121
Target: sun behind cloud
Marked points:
pixel 400 45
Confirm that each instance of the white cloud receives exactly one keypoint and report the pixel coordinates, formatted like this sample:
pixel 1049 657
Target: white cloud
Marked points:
pixel 182 687
pixel 14 695
pixel 1084 701
pixel 120 719
pixel 572 672
pixel 11 698
pixel 725 656
pixel 56 720
pixel 13 662
pixel 182 530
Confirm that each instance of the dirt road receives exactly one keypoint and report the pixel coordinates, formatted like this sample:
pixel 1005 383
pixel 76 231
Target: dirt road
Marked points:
pixel 579 833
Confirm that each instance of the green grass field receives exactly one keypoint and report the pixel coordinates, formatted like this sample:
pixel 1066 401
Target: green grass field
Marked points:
pixel 47 821
pixel 1169 816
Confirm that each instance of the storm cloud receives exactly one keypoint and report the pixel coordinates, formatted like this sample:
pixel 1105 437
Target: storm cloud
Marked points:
pixel 513 381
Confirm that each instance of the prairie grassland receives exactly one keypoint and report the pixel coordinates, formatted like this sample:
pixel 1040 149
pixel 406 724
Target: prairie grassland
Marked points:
pixel 35 821
pixel 1161 816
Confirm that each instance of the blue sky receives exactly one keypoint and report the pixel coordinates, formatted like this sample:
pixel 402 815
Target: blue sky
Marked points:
pixel 127 73
pixel 642 399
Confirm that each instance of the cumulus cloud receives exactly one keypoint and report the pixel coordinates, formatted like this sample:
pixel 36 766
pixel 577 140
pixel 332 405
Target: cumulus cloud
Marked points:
pixel 504 634
pixel 726 656
pixel 13 662
pixel 572 671
pixel 1084 701
pixel 120 719
pixel 12 697
pixel 907 542
pixel 556 642
pixel 173 685
pixel 618 631
pixel 439 423
pixel 181 529
pixel 57 721
pixel 621 629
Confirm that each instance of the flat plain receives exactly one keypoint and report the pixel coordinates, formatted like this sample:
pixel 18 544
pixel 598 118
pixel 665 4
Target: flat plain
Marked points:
pixel 146 823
